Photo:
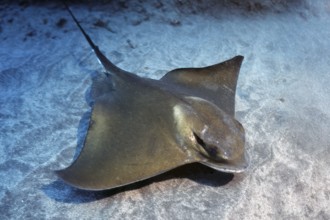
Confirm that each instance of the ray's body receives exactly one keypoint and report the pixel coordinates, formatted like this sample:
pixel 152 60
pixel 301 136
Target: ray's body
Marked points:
pixel 141 127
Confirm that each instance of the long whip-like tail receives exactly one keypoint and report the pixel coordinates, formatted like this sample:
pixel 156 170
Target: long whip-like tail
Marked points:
pixel 106 63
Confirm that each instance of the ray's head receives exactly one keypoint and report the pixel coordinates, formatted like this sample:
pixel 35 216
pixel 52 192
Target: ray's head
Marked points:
pixel 211 135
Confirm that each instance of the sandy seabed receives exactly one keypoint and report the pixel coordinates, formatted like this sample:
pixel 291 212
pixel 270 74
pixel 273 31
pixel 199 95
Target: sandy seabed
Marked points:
pixel 282 99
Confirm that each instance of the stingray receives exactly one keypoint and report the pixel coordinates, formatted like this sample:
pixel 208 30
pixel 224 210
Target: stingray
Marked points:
pixel 140 127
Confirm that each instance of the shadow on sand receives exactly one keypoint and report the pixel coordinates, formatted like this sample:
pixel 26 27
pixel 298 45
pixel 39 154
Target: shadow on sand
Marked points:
pixel 199 173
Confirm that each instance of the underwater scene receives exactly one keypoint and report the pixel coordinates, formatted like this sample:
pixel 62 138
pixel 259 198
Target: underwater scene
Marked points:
pixel 179 109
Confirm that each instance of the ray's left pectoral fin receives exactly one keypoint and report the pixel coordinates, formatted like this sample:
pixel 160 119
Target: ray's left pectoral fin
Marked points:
pixel 216 83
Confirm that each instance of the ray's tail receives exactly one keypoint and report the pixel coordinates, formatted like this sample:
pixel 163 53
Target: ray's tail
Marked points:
pixel 106 63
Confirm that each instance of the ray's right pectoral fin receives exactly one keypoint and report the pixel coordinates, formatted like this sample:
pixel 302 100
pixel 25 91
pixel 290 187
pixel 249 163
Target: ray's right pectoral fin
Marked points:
pixel 124 144
pixel 102 84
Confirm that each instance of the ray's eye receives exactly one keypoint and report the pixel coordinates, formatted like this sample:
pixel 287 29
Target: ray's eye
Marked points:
pixel 211 150
pixel 199 140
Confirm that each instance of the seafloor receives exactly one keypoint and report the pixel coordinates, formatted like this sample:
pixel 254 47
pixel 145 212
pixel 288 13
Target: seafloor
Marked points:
pixel 283 101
